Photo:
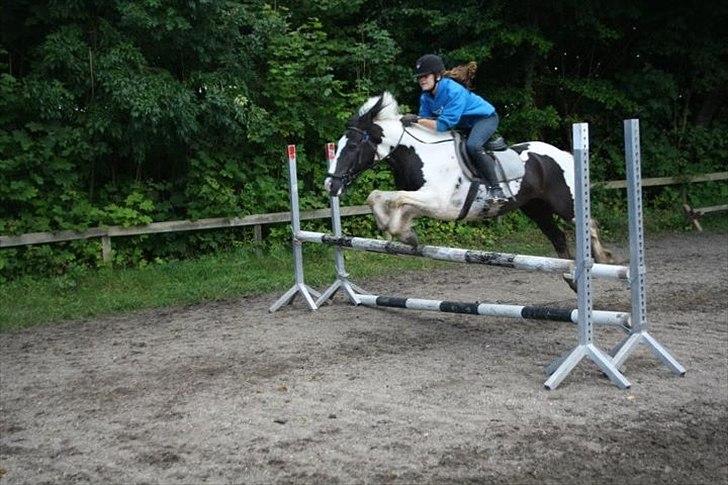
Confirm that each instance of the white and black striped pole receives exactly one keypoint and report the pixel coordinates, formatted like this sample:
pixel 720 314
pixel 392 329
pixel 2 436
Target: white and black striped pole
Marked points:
pixel 524 312
pixel 299 286
pixel 561 367
pixel 342 281
pixel 639 333
pixel 459 255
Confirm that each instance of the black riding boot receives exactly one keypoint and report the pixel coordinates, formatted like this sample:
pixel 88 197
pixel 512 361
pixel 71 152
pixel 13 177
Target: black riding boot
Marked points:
pixel 485 165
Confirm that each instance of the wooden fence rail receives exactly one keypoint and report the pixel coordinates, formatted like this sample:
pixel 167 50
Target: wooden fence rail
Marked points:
pixel 657 181
pixel 258 220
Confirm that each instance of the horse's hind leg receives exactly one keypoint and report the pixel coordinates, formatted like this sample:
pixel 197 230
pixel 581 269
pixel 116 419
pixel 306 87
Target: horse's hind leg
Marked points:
pixel 599 252
pixel 540 212
pixel 563 206
pixel 400 224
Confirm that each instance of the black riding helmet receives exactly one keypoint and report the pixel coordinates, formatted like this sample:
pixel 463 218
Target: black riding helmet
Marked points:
pixel 429 64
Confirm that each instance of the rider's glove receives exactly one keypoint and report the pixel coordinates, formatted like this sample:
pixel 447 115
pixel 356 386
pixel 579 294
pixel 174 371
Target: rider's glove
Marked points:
pixel 409 119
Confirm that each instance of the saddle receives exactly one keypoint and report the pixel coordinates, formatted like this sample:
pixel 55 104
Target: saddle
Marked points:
pixel 508 167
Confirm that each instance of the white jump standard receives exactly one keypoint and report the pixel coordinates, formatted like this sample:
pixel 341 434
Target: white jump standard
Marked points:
pixel 583 276
pixel 299 286
pixel 639 333
pixel 342 281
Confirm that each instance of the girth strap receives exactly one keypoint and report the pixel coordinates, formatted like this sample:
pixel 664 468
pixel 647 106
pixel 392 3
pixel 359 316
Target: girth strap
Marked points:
pixel 472 192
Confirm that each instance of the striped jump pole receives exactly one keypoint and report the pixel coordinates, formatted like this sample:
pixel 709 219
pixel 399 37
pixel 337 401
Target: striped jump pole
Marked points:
pixel 299 287
pixel 639 332
pixel 614 319
pixel 457 255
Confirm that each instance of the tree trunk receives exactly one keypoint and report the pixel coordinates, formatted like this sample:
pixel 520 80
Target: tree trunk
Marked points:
pixel 710 106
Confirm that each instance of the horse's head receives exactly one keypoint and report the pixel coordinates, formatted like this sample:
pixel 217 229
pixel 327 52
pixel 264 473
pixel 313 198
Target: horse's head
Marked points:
pixel 357 149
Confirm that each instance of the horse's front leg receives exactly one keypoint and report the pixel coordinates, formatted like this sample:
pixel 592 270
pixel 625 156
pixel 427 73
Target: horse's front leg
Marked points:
pixel 400 224
pixel 379 203
pixel 404 207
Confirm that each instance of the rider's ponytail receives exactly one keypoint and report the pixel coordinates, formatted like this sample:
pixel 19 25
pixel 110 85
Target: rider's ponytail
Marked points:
pixel 463 74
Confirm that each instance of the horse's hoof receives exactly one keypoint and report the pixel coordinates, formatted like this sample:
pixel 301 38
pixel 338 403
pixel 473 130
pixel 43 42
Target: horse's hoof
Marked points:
pixel 570 281
pixel 410 239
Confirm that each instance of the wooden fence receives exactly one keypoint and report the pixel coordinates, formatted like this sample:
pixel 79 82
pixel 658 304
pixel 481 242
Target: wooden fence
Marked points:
pixel 259 220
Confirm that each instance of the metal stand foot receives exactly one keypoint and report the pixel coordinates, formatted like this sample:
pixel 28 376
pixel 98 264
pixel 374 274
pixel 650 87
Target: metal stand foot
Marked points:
pixel 350 289
pixel 554 364
pixel 593 353
pixel 307 293
pixel 622 351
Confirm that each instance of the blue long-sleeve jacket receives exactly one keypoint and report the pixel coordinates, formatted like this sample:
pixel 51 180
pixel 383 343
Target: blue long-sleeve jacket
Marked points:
pixel 454 105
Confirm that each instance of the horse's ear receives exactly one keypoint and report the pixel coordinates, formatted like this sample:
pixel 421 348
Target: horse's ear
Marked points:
pixel 376 108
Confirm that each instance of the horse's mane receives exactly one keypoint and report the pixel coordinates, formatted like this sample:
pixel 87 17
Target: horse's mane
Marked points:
pixel 389 108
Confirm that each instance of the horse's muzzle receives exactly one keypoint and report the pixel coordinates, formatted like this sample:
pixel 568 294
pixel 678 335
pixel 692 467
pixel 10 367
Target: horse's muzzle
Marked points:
pixel 334 186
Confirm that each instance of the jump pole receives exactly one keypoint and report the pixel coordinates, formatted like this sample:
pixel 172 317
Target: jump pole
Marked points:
pixel 458 255
pixel 342 281
pixel 299 286
pixel 639 331
pixel 614 319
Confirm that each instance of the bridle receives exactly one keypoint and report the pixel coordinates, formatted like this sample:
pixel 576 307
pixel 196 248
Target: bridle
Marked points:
pixel 350 175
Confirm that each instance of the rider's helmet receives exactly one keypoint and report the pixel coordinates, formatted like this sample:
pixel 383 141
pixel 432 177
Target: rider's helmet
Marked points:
pixel 429 64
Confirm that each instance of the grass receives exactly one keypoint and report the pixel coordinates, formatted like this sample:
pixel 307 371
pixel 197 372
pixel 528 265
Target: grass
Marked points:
pixel 86 294
pixel 31 301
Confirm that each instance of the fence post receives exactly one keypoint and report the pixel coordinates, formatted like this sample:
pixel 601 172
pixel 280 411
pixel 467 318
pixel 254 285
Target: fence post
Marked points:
pixel 258 239
pixel 106 248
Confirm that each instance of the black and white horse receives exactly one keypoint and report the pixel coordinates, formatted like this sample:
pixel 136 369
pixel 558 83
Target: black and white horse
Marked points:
pixel 431 181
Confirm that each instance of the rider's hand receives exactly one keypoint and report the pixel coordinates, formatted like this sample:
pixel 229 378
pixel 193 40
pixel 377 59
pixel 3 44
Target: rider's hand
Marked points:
pixel 409 119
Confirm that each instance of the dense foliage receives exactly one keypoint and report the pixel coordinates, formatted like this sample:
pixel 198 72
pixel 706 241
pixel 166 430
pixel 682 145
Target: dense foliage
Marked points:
pixel 124 112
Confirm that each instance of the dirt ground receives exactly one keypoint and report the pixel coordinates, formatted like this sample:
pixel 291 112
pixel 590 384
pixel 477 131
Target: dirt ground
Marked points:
pixel 225 392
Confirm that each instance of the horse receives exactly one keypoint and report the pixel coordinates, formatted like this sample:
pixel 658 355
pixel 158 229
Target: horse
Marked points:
pixel 431 182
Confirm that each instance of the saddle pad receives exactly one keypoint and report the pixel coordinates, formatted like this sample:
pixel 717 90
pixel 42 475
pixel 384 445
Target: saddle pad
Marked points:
pixel 510 166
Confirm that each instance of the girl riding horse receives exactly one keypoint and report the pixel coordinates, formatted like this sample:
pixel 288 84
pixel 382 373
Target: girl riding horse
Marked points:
pixel 454 106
